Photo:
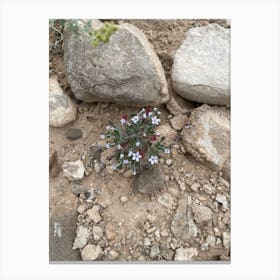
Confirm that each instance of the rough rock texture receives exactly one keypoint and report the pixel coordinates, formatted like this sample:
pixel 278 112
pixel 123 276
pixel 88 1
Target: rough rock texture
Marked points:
pixel 126 70
pixel 74 134
pixel 208 138
pixel 61 108
pixel 169 134
pixel 202 214
pixel 73 170
pixel 183 225
pixel 201 69
pixel 81 240
pixel 151 180
pixel 185 254
pixel 91 252
pixel 179 121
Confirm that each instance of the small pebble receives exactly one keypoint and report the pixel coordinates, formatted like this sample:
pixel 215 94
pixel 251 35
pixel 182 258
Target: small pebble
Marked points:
pixel 123 199
pixel 168 162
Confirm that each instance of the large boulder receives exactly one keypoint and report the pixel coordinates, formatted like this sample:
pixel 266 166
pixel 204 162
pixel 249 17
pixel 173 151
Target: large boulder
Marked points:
pixel 126 70
pixel 208 136
pixel 201 68
pixel 62 110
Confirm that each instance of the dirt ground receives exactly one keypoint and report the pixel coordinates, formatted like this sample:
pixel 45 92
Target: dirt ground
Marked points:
pixel 132 228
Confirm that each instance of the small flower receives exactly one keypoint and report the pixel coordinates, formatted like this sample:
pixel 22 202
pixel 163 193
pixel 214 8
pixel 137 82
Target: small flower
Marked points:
pixel 130 153
pixel 144 116
pixel 155 120
pixel 150 114
pixel 126 161
pixel 167 151
pixel 107 145
pixel 113 167
pixel 135 119
pixel 156 109
pixel 123 121
pixel 153 138
pixel 153 159
pixel 138 144
pixel 136 156
pixel 121 155
pixel 102 136
pixel 119 146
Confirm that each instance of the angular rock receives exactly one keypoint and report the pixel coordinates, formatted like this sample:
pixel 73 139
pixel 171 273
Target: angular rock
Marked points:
pixel 223 200
pixel 226 239
pixel 166 131
pixel 113 255
pixel 126 70
pixel 82 237
pixel 202 214
pixel 150 180
pixel 185 254
pixel 97 232
pixel 94 214
pixel 62 110
pixel 155 251
pixel 208 138
pixel 91 252
pixel 73 170
pixel 201 68
pixel 110 231
pixel 182 225
pixel 179 121
pixel 74 134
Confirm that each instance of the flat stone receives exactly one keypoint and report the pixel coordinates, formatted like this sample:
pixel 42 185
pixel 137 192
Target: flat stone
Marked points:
pixel 94 214
pixel 201 68
pixel 202 214
pixel 208 139
pixel 126 70
pixel 83 234
pixel 185 254
pixel 74 134
pixel 150 180
pixel 178 122
pixel 62 110
pixel 155 251
pixel 73 170
pixel 91 252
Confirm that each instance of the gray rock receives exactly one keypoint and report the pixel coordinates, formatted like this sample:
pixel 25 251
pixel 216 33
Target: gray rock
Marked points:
pixel 91 252
pixel 150 180
pixel 208 139
pixel 155 251
pixel 201 69
pixel 73 170
pixel 82 237
pixel 94 214
pixel 202 214
pixel 226 239
pixel 223 200
pixel 185 254
pixel 126 70
pixel 182 225
pixel 97 232
pixel 77 188
pixel 62 110
pixel 74 134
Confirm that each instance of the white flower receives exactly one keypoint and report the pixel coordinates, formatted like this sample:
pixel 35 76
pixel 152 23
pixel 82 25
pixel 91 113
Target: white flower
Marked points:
pixel 155 120
pixel 107 145
pixel 136 156
pixel 102 136
pixel 138 144
pixel 108 127
pixel 113 167
pixel 153 159
pixel 126 161
pixel 167 151
pixel 135 119
pixel 134 172
pixel 130 153
pixel 144 116
pixel 123 121
pixel 157 133
pixel 119 146
pixel 155 109
pixel 150 114
pixel 121 155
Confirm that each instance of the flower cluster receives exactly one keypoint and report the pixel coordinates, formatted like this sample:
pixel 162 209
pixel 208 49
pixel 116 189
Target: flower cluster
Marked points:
pixel 135 142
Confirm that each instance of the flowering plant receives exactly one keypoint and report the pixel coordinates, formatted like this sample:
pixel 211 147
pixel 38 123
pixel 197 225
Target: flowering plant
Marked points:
pixel 135 144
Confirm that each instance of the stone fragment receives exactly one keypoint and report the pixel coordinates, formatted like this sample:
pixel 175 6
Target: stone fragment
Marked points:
pixel 202 214
pixel 185 254
pixel 91 252
pixel 97 232
pixel 82 237
pixel 94 214
pixel 113 255
pixel 126 70
pixel 155 251
pixel 62 110
pixel 208 138
pixel 201 68
pixel 110 231
pixel 178 122
pixel 74 134
pixel 169 134
pixel 150 180
pixel 123 199
pixel 73 170
pixel 223 200
pixel 226 239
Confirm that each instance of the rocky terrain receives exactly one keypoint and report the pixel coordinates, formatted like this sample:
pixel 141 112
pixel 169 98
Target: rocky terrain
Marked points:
pixel 178 210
